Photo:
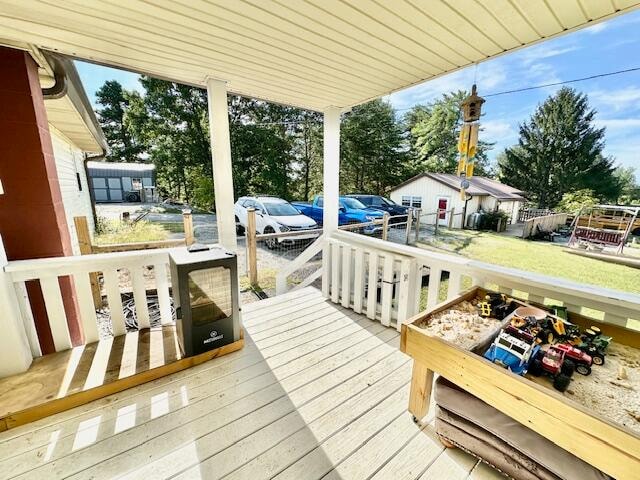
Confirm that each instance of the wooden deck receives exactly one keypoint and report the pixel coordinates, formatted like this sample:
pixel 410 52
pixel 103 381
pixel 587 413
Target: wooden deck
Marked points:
pixel 317 392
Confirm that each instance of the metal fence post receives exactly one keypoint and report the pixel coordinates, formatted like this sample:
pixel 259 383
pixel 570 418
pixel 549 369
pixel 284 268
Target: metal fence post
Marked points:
pixel 417 213
pixel 252 257
pixel 409 221
pixel 385 225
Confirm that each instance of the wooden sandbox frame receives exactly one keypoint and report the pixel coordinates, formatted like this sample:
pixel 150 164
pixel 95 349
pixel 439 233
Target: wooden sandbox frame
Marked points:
pixel 608 446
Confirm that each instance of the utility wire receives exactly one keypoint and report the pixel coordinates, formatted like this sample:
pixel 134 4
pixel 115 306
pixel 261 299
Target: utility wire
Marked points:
pixel 495 94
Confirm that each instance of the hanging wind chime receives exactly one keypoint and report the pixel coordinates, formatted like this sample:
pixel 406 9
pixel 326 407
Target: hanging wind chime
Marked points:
pixel 468 141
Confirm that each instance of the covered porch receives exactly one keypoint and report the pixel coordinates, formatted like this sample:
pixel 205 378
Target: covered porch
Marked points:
pixel 320 389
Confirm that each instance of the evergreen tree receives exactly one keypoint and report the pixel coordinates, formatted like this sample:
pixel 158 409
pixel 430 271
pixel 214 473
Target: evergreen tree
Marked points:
pixel 433 133
pixel 560 151
pixel 372 154
pixel 114 101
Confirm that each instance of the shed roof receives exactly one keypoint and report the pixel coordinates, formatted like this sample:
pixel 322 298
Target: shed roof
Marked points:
pixel 479 186
pixel 312 54
pixel 124 167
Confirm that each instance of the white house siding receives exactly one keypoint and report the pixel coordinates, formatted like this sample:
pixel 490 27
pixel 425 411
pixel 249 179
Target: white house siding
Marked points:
pixel 430 190
pixel 69 161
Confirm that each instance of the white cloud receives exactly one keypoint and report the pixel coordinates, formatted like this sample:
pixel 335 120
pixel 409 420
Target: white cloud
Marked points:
pixel 622 99
pixel 498 131
pixel 596 28
pixel 615 125
pixel 543 51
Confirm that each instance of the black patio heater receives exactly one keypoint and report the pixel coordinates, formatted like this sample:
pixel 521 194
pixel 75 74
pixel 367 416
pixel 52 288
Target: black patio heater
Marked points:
pixel 205 294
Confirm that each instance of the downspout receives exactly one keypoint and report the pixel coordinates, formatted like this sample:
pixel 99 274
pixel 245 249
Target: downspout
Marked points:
pixel 92 197
pixel 59 88
pixel 464 211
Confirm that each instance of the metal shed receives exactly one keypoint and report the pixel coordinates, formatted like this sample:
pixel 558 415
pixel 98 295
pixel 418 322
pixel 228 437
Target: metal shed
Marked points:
pixel 122 182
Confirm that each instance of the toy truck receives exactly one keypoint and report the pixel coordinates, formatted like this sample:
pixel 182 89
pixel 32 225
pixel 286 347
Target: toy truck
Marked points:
pixel 553 363
pixel 581 360
pixel 511 353
pixel 594 344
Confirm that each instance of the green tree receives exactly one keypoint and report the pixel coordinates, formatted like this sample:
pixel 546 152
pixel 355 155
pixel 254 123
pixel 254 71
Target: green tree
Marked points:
pixel 372 154
pixel 571 202
pixel 433 133
pixel 114 103
pixel 629 187
pixel 560 151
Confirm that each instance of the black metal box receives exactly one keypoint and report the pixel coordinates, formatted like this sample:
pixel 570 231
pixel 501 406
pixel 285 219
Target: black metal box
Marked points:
pixel 205 294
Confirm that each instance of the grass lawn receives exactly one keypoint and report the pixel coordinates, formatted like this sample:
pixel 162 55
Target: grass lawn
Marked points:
pixel 540 257
pixel 115 231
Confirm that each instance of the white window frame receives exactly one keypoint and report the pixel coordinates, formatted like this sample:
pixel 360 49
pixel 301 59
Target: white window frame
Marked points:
pixel 414 201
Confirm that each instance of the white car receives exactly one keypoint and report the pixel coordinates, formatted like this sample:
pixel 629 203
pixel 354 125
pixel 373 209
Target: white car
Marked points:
pixel 274 215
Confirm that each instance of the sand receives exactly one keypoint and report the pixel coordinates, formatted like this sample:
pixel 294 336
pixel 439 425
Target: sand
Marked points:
pixel 460 324
pixel 603 392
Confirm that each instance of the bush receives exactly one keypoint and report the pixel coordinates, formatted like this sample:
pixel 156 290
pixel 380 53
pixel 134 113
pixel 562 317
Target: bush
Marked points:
pixel 491 219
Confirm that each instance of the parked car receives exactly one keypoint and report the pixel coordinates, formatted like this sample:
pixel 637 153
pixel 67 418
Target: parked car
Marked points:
pixel 351 211
pixel 512 353
pixel 397 212
pixel 274 215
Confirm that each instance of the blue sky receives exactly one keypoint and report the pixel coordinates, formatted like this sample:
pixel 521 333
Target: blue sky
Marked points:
pixel 604 47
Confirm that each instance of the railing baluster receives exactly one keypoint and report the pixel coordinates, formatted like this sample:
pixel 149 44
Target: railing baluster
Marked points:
pixel 346 276
pixel 387 289
pixel 358 280
pixel 326 269
pixel 162 287
pixel 140 297
pixel 406 291
pixel 455 284
pixel 372 285
pixel 335 272
pixel 434 286
pixel 111 286
pixel 27 318
pixel 87 307
pixel 55 312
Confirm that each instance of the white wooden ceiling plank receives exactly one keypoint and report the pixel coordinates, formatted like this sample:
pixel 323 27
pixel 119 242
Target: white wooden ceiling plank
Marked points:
pixel 569 12
pixel 414 38
pixel 158 45
pixel 475 12
pixel 509 16
pixel 597 8
pixel 52 39
pixel 334 45
pixel 365 34
pixel 459 26
pixel 540 16
pixel 187 26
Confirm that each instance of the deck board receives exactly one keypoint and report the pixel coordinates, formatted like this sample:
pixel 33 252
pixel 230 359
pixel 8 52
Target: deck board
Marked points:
pixel 318 391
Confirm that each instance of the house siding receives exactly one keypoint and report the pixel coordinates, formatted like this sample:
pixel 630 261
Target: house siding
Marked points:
pixel 430 191
pixel 69 161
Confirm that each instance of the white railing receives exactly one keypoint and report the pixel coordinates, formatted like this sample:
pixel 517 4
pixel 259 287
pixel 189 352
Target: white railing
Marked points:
pixel 384 281
pixel 48 271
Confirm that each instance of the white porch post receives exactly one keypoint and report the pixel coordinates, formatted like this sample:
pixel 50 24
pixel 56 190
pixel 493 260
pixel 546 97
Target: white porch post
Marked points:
pixel 331 169
pixel 15 352
pixel 221 158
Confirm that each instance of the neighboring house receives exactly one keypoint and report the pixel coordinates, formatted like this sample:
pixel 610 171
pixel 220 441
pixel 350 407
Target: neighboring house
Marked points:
pixel 122 182
pixel 75 136
pixel 432 191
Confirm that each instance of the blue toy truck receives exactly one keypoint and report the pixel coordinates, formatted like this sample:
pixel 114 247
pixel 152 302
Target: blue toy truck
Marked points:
pixel 512 353
pixel 351 211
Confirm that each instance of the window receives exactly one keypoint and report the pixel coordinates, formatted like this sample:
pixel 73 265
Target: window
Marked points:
pixel 136 184
pixel 409 201
pixel 352 203
pixel 280 209
pixel 320 202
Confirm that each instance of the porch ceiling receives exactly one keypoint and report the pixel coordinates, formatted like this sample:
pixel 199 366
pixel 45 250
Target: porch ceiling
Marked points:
pixel 312 54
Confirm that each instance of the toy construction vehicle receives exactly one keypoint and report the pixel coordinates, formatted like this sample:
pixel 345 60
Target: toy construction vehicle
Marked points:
pixel 496 305
pixel 593 343
pixel 553 363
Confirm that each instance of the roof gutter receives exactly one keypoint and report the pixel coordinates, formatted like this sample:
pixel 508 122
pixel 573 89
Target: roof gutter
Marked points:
pixel 68 83
pixel 59 88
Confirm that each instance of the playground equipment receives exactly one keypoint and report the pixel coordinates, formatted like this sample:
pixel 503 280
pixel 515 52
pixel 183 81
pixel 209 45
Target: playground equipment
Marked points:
pixel 604 226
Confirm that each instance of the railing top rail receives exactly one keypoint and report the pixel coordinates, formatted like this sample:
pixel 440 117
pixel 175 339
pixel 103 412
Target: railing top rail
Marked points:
pixel 475 268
